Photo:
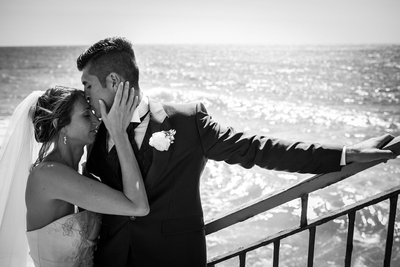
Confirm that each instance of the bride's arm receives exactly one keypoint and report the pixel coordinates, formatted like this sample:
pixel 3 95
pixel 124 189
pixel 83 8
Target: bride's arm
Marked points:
pixel 117 121
pixel 55 181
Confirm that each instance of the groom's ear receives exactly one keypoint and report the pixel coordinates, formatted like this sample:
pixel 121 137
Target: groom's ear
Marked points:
pixel 112 81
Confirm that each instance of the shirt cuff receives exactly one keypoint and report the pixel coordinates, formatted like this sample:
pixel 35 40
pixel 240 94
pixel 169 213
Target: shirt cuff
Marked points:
pixel 343 158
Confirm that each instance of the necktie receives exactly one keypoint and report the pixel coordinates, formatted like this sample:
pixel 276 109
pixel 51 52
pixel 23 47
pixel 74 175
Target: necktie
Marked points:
pixel 144 155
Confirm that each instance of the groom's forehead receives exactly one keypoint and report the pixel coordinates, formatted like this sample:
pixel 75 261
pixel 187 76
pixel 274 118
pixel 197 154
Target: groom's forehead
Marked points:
pixel 86 75
pixel 87 78
pixel 81 105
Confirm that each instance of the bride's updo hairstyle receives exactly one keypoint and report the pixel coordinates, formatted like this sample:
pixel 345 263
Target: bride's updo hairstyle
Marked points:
pixel 51 113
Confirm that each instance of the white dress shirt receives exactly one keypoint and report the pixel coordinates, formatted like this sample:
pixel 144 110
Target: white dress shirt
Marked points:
pixel 343 158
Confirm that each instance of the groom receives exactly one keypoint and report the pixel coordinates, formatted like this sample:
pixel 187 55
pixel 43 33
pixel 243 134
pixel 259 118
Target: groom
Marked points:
pixel 173 233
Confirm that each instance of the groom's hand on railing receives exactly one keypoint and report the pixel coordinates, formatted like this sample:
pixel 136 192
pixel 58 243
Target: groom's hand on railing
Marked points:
pixel 371 150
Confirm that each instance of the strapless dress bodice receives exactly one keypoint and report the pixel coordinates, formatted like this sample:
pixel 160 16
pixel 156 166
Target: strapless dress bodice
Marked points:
pixel 67 242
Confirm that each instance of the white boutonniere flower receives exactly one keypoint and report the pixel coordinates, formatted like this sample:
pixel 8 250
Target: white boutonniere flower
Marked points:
pixel 162 140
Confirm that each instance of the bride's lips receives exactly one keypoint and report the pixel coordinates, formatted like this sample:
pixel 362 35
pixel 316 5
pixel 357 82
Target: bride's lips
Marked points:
pixel 95 130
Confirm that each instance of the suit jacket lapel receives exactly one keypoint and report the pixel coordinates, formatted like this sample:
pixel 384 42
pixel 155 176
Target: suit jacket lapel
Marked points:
pixel 159 121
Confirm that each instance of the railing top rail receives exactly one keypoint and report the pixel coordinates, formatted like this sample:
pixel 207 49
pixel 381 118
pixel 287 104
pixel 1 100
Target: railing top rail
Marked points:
pixel 306 186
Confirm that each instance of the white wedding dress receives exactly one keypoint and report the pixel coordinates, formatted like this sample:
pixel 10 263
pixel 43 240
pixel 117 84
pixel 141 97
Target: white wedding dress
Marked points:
pixel 67 242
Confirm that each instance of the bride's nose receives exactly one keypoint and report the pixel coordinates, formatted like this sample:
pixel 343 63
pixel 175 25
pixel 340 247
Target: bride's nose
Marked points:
pixel 95 121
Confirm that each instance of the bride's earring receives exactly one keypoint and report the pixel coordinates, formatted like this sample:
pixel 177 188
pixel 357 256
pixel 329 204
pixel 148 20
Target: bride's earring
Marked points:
pixel 65 139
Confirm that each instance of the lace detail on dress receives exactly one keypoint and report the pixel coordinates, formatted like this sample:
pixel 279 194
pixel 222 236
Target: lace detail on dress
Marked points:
pixel 69 241
pixel 68 226
pixel 79 242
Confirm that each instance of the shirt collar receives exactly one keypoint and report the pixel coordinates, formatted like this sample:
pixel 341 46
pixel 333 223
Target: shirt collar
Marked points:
pixel 141 110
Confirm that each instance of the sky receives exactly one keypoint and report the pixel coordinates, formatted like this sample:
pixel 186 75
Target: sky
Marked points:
pixel 273 22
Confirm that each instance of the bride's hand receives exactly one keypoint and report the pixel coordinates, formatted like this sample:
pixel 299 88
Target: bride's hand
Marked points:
pixel 121 112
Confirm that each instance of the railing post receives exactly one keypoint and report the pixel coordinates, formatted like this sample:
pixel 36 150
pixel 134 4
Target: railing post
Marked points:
pixel 350 234
pixel 311 247
pixel 304 208
pixel 242 259
pixel 277 244
pixel 390 231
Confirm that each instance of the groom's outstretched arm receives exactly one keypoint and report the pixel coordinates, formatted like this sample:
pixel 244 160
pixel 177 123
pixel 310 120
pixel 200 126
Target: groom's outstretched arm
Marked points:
pixel 225 144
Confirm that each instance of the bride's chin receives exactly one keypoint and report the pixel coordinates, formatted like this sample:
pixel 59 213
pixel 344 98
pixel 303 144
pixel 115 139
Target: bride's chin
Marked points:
pixel 91 139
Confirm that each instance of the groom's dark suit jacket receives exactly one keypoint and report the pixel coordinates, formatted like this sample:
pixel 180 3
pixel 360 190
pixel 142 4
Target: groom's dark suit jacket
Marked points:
pixel 173 232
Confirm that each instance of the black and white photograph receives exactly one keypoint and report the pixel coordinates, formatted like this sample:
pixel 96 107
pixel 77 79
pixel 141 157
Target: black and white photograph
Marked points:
pixel 216 133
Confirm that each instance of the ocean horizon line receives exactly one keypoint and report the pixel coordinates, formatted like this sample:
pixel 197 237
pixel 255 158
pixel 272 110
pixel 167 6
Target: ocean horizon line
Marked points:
pixel 218 44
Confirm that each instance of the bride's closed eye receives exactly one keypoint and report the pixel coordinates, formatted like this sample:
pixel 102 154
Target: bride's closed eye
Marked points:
pixel 87 113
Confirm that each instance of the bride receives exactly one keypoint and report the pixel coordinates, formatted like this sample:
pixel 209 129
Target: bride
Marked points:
pixel 62 121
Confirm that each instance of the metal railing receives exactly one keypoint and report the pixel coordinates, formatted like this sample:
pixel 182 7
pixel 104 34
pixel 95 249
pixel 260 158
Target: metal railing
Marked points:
pixel 302 191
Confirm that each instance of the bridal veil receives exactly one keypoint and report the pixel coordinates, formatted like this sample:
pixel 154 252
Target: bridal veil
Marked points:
pixel 17 152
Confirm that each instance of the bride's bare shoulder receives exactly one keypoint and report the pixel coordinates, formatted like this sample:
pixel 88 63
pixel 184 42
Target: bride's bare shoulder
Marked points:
pixel 48 170
pixel 49 180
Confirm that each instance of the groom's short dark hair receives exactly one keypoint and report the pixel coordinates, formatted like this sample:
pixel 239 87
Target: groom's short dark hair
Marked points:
pixel 114 54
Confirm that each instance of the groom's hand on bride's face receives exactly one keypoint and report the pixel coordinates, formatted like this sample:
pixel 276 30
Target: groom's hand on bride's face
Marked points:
pixel 370 150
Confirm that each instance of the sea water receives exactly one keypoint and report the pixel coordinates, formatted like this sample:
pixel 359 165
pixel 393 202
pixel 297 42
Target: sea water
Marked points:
pixel 326 94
